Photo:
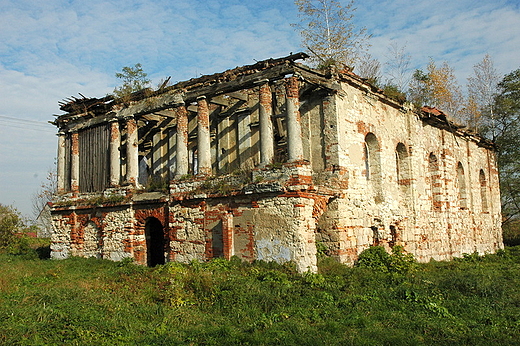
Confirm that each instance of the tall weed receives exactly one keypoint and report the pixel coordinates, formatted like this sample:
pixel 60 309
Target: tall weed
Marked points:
pixel 386 299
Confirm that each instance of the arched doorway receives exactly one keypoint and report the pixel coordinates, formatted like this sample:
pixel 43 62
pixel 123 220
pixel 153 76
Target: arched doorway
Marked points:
pixel 154 233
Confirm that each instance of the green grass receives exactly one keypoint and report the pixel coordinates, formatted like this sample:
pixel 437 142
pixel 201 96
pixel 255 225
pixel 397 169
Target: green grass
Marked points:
pixel 471 301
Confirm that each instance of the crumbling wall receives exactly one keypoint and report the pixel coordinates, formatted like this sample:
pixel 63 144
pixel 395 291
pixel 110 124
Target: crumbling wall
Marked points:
pixel 61 235
pixel 263 161
pixel 276 228
pixel 390 207
pixel 117 230
pixel 188 233
pixel 109 232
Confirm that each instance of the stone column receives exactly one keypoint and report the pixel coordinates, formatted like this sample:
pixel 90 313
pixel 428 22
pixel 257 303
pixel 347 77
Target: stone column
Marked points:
pixel 203 137
pixel 294 130
pixel 266 125
pixel 74 163
pixel 132 152
pixel 61 162
pixel 181 154
pixel 115 161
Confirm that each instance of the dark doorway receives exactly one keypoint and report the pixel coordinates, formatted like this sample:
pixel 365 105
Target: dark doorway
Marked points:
pixel 154 233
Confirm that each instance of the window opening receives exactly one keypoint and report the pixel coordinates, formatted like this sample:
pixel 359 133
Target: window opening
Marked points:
pixel 373 166
pixel 483 191
pixel 435 182
pixel 403 173
pixel 461 182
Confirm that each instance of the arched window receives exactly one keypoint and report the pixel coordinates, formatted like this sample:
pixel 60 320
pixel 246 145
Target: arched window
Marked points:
pixel 483 191
pixel 461 182
pixel 404 178
pixel 434 177
pixel 373 166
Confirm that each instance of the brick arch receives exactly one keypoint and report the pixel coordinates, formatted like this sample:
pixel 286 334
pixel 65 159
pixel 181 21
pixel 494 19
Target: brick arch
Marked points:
pixel 155 242
pixel 403 164
pixel 365 128
pixel 83 219
pixel 78 233
pixel 141 216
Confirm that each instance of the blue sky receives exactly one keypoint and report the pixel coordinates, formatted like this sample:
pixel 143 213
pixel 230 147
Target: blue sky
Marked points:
pixel 53 49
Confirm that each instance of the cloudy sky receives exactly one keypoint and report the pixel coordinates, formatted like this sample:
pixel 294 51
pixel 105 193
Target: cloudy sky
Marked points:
pixel 54 49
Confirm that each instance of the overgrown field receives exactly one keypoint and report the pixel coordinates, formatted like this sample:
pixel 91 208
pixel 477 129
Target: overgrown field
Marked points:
pixel 390 301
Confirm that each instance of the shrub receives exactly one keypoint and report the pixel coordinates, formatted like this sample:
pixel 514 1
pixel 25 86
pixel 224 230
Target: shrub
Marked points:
pixel 400 261
pixel 394 93
pixel 157 184
pixel 374 257
pixel 13 236
pixel 377 258
pixel 81 301
pixel 10 224
pixel 511 233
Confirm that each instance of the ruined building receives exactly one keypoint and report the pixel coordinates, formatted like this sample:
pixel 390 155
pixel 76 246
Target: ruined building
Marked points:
pixel 269 161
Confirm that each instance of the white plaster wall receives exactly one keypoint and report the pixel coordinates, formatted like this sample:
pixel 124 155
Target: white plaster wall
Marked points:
pixel 424 232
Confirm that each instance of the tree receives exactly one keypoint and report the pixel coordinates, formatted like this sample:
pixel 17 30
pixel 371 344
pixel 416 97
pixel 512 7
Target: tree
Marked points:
pixel 420 92
pixel 482 88
pixel 439 88
pixel 507 138
pixel 370 68
pixel 445 88
pixel 398 67
pixel 134 79
pixel 10 224
pixel 39 201
pixel 328 33
pixel 46 192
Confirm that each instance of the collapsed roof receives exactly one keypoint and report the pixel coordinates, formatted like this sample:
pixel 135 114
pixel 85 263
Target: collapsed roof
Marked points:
pixel 84 112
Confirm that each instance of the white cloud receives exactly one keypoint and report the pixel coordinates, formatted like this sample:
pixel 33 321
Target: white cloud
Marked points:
pixel 459 32
pixel 52 49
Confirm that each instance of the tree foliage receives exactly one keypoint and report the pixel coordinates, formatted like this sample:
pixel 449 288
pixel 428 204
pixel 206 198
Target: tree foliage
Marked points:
pixel 46 192
pixel 11 223
pixel 419 92
pixel 437 87
pixel 482 88
pixel 328 32
pixel 370 68
pixel 506 135
pixel 41 198
pixel 398 74
pixel 134 79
